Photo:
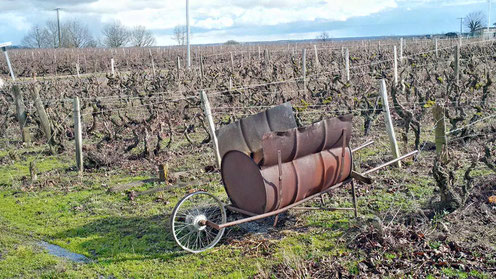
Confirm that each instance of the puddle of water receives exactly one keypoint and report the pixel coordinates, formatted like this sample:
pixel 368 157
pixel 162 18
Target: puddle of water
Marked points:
pixel 63 253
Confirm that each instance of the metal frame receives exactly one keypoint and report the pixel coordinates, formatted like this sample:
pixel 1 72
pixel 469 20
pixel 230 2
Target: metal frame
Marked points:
pixel 355 175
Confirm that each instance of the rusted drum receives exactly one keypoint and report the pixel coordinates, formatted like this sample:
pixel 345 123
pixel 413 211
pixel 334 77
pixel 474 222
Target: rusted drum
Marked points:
pixel 298 142
pixel 246 134
pixel 256 190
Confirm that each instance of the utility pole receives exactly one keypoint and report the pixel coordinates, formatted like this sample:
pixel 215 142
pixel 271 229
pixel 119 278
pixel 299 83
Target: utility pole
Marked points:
pixel 489 17
pixel 58 25
pixel 461 25
pixel 188 52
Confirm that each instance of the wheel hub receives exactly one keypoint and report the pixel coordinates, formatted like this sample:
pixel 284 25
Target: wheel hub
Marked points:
pixel 196 222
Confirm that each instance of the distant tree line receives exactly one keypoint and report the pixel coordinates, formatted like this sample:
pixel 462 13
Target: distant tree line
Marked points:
pixel 75 34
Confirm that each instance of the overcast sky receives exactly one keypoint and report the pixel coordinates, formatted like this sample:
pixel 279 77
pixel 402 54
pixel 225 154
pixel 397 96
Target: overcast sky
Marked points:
pixel 216 21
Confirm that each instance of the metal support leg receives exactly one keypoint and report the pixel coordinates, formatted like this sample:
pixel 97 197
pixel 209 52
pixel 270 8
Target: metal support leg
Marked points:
pixel 275 220
pixel 353 193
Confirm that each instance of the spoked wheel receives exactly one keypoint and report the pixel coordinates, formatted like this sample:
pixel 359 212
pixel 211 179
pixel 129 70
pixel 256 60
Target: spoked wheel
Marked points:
pixel 188 221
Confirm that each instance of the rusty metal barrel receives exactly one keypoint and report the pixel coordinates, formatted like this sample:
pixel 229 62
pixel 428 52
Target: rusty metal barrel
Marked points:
pixel 246 134
pixel 257 190
pixel 295 162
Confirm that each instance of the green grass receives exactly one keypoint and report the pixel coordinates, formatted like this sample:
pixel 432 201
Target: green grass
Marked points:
pixel 130 238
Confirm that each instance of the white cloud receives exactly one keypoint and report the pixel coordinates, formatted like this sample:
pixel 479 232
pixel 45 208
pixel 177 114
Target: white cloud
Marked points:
pixel 217 17
pixel 215 14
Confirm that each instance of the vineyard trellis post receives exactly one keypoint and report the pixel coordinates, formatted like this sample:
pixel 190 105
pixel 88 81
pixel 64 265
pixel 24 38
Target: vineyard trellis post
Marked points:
pixel 43 116
pixel 232 62
pixel 178 66
pixel 201 68
pixel 208 114
pixel 77 67
pixel 395 65
pixel 304 70
pixel 440 129
pixel 78 135
pixel 437 54
pixel 457 64
pixel 317 63
pixel 153 64
pixel 389 121
pixel 21 114
pixel 401 50
pixel 266 58
pixel 112 67
pixel 347 64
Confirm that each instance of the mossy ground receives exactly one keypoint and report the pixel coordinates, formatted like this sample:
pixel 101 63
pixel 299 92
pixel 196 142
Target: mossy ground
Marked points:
pixel 127 238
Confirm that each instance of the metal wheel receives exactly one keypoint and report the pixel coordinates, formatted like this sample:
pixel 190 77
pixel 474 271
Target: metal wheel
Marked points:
pixel 188 221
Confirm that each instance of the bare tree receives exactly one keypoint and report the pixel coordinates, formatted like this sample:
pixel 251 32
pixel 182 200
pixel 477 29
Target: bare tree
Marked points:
pixel 76 35
pixel 179 35
pixel 140 37
pixel 37 37
pixel 324 36
pixel 52 34
pixel 115 35
pixel 473 21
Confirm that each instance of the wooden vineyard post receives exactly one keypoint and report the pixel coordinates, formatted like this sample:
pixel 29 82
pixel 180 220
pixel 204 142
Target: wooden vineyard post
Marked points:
pixel 153 64
pixel 162 172
pixel 78 135
pixel 437 54
pixel 178 66
pixel 389 122
pixel 457 64
pixel 211 125
pixel 304 70
pixel 440 129
pixel 317 63
pixel 401 50
pixel 21 114
pixel 112 67
pixel 201 67
pixel 77 69
pixel 395 65
pixel 347 64
pixel 230 84
pixel 45 122
pixel 232 62
pixel 266 58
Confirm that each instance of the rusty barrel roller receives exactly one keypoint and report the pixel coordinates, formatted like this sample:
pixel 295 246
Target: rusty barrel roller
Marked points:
pixel 291 164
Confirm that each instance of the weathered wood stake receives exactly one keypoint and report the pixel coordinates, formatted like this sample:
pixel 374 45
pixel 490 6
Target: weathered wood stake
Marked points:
pixel 211 126
pixel 401 50
pixel 44 120
pixel 395 65
pixel 389 122
pixel 21 114
pixel 347 64
pixel 112 67
pixel 437 54
pixel 457 65
pixel 304 70
pixel 440 129
pixel 317 63
pixel 78 136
